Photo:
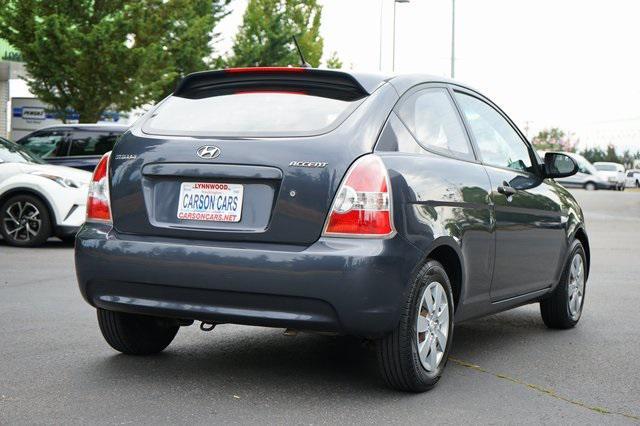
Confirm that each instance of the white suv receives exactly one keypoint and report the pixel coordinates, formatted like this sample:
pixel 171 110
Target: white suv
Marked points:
pixel 633 178
pixel 613 173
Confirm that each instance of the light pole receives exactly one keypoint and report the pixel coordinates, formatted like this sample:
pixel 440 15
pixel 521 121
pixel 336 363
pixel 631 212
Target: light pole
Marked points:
pixel 453 38
pixel 393 55
pixel 380 52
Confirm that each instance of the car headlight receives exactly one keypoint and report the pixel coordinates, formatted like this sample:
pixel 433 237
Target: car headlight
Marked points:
pixel 66 182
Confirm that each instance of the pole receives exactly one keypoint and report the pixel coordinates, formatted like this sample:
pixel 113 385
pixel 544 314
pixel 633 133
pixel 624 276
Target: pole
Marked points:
pixel 380 53
pixel 393 55
pixel 453 38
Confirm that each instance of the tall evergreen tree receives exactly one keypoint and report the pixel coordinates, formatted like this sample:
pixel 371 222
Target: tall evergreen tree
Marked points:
pixel 90 55
pixel 265 37
pixel 334 61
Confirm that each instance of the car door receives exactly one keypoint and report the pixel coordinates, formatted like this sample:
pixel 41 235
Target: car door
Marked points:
pixel 529 235
pixel 440 183
pixel 51 145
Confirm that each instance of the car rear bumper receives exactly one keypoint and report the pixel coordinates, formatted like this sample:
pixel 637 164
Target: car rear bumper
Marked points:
pixel 65 231
pixel 351 286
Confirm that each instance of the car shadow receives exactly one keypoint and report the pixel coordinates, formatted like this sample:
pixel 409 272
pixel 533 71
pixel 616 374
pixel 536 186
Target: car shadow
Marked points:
pixel 244 358
pixel 51 243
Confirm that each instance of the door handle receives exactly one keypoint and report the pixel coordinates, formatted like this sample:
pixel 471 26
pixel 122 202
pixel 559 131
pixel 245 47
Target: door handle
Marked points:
pixel 506 189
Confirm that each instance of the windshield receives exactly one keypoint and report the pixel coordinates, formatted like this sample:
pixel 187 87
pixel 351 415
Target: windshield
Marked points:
pixel 14 153
pixel 606 167
pixel 249 114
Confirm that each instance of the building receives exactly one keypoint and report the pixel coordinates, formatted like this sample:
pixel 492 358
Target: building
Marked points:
pixel 10 69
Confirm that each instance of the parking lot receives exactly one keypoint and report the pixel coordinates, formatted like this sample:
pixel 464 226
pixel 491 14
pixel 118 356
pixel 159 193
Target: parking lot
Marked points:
pixel 508 368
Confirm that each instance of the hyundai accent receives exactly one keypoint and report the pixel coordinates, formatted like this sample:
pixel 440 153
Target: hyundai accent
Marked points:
pixel 383 207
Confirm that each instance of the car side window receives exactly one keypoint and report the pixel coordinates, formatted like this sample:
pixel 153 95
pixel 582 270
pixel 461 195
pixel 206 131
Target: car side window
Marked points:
pixel 582 168
pixel 92 143
pixel 47 143
pixel 432 119
pixel 498 142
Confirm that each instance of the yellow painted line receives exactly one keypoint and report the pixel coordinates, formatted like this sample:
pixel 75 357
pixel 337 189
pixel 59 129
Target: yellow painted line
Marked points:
pixel 540 389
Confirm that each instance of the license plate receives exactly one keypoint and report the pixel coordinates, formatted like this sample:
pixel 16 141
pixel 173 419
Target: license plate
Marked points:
pixel 212 202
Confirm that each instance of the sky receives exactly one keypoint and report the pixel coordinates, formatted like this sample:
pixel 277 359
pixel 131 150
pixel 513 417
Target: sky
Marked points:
pixel 573 64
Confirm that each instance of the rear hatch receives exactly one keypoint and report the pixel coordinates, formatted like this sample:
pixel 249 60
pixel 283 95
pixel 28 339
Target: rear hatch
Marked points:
pixel 245 155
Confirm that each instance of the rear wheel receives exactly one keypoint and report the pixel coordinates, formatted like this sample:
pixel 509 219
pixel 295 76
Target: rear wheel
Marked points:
pixel 564 307
pixel 413 356
pixel 25 221
pixel 136 334
pixel 590 186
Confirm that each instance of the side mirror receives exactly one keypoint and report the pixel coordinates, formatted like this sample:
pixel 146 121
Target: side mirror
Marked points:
pixel 558 165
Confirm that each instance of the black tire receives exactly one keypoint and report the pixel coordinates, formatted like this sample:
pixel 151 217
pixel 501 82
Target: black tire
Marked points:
pixel 24 238
pixel 397 352
pixel 136 334
pixel 590 186
pixel 555 310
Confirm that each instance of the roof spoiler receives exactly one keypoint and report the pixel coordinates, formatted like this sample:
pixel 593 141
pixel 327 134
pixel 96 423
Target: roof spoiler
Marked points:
pixel 325 83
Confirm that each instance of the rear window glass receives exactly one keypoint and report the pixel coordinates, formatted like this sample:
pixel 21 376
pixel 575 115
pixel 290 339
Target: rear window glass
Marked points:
pixel 249 114
pixel 606 167
pixel 92 143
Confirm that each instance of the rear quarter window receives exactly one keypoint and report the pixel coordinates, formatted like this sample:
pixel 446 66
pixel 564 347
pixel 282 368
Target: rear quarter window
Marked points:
pixel 249 114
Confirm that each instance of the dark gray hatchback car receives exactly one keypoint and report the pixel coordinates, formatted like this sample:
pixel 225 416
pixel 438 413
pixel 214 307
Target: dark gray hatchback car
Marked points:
pixel 387 208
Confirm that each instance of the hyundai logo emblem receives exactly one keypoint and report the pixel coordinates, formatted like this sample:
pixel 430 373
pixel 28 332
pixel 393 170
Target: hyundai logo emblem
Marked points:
pixel 208 151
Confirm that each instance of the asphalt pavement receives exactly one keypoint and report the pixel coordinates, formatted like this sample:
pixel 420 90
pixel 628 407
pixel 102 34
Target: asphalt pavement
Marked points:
pixel 504 369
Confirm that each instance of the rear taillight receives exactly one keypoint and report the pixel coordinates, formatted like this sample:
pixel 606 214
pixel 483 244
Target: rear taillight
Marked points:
pixel 98 208
pixel 362 206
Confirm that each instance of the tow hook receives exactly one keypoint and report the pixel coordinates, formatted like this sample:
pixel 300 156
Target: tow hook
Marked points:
pixel 206 326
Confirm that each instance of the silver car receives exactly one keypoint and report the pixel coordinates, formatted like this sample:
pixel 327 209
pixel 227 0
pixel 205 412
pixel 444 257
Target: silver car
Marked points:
pixel 587 176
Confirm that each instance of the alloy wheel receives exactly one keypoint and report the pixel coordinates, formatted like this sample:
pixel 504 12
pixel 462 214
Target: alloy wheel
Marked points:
pixel 432 325
pixel 576 286
pixel 22 221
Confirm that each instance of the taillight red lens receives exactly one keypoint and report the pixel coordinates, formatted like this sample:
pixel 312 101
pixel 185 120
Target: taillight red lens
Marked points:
pixel 98 208
pixel 362 206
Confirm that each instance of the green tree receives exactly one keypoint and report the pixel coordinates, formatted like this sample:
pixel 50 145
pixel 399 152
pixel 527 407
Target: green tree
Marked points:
pixel 189 34
pixel 265 37
pixel 554 139
pixel 334 61
pixel 611 154
pixel 594 154
pixel 90 55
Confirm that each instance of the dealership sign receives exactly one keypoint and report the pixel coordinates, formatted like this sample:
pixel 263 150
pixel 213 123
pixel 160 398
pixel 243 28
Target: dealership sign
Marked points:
pixel 36 114
pixel 29 114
